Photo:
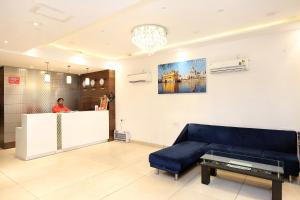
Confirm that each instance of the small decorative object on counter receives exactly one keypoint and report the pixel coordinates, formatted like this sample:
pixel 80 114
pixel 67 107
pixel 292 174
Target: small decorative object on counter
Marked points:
pixel 96 107
pixel 103 102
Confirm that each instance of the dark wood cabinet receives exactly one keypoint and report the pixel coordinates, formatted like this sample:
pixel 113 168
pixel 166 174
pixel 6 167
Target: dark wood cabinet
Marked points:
pixel 89 95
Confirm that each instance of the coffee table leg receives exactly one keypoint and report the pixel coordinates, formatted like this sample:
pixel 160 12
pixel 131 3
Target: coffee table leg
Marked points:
pixel 213 171
pixel 205 175
pixel 276 190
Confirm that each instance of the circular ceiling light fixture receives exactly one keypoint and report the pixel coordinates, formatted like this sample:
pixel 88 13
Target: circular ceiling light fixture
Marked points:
pixel 149 37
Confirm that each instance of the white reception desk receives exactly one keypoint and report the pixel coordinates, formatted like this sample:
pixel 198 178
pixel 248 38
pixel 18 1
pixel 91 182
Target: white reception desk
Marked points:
pixel 48 133
pixel 37 137
pixel 83 128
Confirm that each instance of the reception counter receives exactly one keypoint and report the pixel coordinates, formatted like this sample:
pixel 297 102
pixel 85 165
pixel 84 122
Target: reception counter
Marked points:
pixel 48 133
pixel 37 137
pixel 83 128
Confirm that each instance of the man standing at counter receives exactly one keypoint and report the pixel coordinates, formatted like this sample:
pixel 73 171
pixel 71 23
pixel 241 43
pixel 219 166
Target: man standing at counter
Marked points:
pixel 60 106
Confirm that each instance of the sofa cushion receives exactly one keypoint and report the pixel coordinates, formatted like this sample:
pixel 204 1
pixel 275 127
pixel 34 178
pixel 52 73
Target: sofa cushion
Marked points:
pixel 247 151
pixel 219 147
pixel 291 161
pixel 177 157
pixel 264 139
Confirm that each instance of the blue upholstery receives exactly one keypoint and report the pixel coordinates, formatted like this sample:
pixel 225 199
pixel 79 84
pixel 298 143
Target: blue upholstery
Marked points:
pixel 195 139
pixel 291 162
pixel 178 157
pixel 274 140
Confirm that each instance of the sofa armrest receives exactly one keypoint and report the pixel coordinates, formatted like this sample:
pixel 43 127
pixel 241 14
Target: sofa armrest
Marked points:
pixel 183 135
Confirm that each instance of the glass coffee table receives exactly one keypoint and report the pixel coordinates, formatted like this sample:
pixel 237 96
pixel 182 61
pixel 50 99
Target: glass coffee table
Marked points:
pixel 248 165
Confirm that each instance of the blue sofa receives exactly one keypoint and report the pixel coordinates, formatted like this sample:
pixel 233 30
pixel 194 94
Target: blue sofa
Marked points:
pixel 196 139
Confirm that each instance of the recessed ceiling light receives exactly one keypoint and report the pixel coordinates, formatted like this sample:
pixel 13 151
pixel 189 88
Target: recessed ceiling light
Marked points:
pixel 36 24
pixel 220 10
pixel 5 41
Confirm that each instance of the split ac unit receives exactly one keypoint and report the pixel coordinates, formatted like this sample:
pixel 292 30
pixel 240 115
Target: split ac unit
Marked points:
pixel 139 77
pixel 229 66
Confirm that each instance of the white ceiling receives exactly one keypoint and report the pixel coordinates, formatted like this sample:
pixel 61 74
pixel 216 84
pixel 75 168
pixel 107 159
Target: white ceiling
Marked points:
pixel 17 18
pixel 185 20
pixel 23 61
pixel 101 29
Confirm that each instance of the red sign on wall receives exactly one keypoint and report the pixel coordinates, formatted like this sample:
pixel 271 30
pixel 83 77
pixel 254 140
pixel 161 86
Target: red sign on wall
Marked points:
pixel 13 80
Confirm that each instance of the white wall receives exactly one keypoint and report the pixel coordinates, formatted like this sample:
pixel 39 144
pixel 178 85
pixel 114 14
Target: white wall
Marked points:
pixel 266 96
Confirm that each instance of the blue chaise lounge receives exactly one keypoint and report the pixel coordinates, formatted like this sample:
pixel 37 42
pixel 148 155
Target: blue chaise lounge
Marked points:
pixel 196 139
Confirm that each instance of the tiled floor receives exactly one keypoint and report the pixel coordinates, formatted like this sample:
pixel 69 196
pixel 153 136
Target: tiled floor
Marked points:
pixel 120 171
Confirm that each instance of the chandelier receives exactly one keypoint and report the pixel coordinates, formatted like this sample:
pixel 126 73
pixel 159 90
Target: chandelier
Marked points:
pixel 149 37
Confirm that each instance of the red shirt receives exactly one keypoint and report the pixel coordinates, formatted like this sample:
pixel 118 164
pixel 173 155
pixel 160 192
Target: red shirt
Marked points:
pixel 59 108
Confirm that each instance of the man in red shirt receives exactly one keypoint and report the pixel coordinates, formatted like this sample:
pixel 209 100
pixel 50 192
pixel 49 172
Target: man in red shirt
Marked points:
pixel 60 106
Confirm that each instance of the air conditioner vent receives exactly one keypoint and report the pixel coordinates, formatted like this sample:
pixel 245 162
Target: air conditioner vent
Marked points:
pixel 50 13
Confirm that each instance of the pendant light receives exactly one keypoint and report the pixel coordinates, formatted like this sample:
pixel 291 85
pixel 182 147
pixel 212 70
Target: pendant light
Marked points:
pixel 87 80
pixel 47 77
pixel 69 77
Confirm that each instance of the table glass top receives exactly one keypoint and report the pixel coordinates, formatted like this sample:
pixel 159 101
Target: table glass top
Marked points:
pixel 244 162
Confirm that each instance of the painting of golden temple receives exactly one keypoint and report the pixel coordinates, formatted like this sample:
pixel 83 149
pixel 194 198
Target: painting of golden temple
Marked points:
pixel 182 77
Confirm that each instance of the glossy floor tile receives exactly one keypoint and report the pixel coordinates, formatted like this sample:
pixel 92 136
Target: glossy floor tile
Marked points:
pixel 118 170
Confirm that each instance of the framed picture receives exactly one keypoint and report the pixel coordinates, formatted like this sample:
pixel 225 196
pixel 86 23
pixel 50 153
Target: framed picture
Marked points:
pixel 182 77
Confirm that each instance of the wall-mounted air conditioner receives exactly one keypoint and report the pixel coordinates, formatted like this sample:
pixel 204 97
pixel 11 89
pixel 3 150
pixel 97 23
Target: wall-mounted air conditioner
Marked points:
pixel 229 66
pixel 140 77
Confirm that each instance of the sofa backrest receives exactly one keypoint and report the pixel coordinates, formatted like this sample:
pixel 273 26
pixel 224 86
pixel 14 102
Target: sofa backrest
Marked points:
pixel 265 139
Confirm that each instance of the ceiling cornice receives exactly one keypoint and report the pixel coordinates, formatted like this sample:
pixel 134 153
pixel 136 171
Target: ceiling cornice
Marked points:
pixel 234 32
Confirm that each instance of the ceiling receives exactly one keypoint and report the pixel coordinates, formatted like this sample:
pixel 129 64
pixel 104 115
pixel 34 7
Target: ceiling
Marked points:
pixel 95 32
pixel 17 19
pixel 23 61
